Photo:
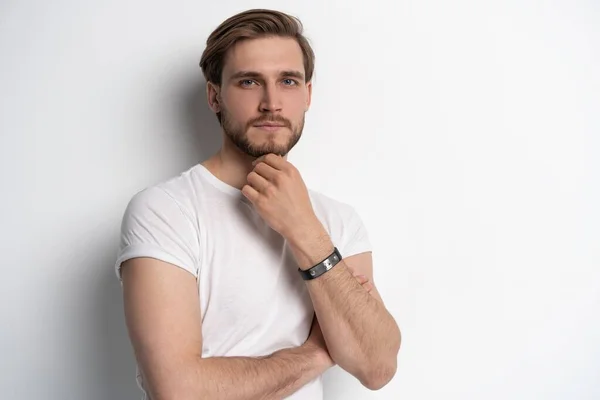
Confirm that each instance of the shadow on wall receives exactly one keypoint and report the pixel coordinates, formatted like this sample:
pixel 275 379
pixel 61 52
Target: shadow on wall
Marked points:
pixel 200 125
pixel 114 364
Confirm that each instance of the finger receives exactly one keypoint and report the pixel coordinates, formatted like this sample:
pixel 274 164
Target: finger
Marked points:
pixel 273 160
pixel 266 171
pixel 257 182
pixel 250 193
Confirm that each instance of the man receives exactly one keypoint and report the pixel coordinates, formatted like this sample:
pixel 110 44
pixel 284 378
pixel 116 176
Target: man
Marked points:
pixel 239 282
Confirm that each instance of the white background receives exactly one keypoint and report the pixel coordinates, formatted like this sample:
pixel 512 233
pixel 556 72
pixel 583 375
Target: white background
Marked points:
pixel 466 134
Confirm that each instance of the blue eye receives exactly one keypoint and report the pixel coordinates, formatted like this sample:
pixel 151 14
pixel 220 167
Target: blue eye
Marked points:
pixel 289 82
pixel 246 82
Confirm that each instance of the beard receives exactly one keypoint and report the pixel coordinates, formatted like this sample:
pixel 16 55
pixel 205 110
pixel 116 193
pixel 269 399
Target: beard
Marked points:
pixel 239 134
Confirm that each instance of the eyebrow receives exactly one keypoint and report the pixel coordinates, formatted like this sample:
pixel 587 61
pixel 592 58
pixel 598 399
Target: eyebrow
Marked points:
pixel 258 75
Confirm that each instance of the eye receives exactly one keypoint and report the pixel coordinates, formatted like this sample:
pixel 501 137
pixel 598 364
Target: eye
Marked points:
pixel 247 82
pixel 290 82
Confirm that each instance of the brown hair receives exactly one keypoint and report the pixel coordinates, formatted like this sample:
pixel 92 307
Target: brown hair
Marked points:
pixel 252 24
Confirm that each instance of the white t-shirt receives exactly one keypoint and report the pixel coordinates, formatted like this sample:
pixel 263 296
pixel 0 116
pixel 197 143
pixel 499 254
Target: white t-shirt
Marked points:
pixel 252 298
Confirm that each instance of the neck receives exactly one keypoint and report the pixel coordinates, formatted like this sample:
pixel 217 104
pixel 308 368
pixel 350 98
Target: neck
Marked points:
pixel 230 164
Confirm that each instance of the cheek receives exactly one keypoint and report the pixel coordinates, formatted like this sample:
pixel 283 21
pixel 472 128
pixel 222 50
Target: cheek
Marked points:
pixel 240 107
pixel 298 105
pixel 300 99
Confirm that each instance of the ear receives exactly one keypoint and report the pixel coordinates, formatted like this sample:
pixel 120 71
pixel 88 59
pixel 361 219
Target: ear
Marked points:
pixel 213 95
pixel 309 98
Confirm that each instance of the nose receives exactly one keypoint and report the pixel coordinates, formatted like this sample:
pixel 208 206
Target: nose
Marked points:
pixel 271 101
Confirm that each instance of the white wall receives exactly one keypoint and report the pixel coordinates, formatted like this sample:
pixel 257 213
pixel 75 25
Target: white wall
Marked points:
pixel 466 134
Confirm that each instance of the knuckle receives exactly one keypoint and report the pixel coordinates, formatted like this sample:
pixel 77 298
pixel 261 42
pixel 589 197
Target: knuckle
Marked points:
pixel 269 190
pixel 276 179
pixel 292 171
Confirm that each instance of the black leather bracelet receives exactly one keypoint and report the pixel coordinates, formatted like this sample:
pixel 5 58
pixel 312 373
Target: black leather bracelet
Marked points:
pixel 322 267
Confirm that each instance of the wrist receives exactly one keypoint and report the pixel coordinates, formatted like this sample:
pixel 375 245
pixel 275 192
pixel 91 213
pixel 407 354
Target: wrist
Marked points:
pixel 305 230
pixel 311 245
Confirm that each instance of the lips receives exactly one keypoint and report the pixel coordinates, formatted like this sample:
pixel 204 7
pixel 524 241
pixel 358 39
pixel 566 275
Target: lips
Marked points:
pixel 269 128
pixel 269 125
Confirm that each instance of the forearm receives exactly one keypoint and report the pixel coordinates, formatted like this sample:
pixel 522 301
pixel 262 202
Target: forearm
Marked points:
pixel 361 335
pixel 239 378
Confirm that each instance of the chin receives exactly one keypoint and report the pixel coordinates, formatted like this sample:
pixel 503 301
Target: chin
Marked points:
pixel 258 151
pixel 271 133
pixel 270 140
pixel 256 142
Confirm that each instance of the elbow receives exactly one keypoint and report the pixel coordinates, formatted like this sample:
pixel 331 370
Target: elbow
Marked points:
pixel 372 373
pixel 175 395
pixel 379 375
pixel 164 396
pixel 174 380
pixel 170 394
pixel 173 389
pixel 374 369
pixel 381 371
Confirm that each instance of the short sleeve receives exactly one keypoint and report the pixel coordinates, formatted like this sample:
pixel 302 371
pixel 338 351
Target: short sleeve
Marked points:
pixel 355 238
pixel 154 225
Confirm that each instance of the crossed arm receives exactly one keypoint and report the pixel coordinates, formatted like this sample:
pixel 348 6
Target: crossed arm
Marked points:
pixel 162 314
pixel 361 335
pixel 163 319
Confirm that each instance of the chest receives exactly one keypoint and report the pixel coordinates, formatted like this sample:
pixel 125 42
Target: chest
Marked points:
pixel 249 285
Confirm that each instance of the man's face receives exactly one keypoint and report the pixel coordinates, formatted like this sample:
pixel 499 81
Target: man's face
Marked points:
pixel 263 95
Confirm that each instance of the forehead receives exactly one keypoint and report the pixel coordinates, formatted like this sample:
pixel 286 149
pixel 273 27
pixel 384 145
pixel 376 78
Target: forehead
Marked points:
pixel 267 56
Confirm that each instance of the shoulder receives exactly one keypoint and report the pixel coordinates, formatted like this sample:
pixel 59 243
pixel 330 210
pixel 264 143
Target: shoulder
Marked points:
pixel 332 209
pixel 158 223
pixel 176 194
